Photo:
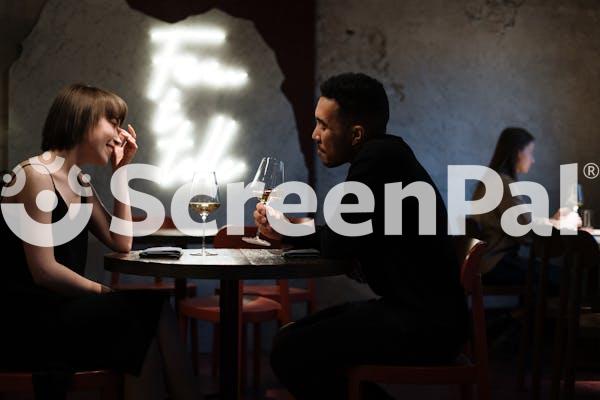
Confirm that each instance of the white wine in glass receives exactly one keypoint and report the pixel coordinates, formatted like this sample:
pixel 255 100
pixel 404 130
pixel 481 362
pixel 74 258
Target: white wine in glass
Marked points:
pixel 270 174
pixel 204 200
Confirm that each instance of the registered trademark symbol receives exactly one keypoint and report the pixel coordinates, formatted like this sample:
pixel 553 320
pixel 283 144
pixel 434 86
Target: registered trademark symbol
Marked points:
pixel 591 170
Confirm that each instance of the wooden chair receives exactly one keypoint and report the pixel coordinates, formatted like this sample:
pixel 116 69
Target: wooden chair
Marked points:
pixel 107 383
pixel 523 292
pixel 472 372
pixel 580 253
pixel 255 310
pixel 158 284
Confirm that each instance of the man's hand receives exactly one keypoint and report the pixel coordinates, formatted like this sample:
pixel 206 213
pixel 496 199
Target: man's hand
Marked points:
pixel 260 219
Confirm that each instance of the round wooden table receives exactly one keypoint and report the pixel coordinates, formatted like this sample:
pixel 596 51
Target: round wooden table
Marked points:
pixel 172 237
pixel 230 266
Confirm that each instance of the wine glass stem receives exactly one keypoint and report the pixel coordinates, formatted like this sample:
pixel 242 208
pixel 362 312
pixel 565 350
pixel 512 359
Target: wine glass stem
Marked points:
pixel 203 233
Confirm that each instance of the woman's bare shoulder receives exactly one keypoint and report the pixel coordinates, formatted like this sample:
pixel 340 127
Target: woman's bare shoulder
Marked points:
pixel 35 178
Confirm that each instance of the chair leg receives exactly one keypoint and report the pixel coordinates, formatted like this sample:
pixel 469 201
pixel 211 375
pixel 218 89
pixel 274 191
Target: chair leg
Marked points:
pixel 215 351
pixel 244 359
pixel 354 388
pixel 194 345
pixel 114 391
pixel 559 340
pixel 311 306
pixel 257 354
pixel 523 346
pixel 466 391
pixel 573 314
pixel 105 394
pixel 538 337
pixel 484 391
pixel 183 327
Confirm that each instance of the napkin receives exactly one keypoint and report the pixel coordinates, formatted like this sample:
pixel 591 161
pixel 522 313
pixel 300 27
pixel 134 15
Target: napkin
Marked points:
pixel 161 252
pixel 301 253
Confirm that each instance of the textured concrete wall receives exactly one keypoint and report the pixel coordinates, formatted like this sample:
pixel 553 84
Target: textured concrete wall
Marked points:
pixel 108 45
pixel 458 72
pixel 16 20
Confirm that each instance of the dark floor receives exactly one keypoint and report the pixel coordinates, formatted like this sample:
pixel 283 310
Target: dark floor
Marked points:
pixel 503 336
pixel 502 380
pixel 503 351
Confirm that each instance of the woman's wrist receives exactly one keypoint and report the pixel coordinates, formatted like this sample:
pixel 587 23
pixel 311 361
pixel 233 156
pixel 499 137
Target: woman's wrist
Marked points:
pixel 101 289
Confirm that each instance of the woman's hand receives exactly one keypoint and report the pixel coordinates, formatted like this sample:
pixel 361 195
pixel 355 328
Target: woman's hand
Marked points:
pixel 122 155
pixel 566 218
pixel 105 289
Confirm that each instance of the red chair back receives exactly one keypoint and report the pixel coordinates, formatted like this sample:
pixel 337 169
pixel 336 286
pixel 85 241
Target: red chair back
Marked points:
pixel 470 277
pixel 464 374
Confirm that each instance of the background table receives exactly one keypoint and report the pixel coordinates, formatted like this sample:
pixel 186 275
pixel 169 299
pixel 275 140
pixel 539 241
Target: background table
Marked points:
pixel 229 266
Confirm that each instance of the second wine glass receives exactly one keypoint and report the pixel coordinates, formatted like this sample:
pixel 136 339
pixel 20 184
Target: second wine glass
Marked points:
pixel 204 200
pixel 269 175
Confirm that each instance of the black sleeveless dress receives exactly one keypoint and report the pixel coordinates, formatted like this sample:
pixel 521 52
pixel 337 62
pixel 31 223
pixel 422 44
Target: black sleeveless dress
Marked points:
pixel 45 332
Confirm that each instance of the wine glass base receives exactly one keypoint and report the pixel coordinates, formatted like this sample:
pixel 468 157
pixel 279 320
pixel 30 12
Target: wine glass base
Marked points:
pixel 206 253
pixel 256 241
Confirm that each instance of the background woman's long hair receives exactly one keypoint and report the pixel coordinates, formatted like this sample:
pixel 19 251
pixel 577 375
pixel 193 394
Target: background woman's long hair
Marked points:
pixel 506 154
pixel 511 142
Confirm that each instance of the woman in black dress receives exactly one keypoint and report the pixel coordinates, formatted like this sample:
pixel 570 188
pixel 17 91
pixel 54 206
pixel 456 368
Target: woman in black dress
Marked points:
pixel 55 320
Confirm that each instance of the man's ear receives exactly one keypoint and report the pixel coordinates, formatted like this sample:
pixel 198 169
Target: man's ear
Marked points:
pixel 358 134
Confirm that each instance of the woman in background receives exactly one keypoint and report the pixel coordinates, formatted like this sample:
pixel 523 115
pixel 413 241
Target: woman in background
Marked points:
pixel 502 265
pixel 55 320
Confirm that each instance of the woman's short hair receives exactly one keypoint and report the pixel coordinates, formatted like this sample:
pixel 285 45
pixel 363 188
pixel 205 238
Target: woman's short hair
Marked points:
pixel 75 111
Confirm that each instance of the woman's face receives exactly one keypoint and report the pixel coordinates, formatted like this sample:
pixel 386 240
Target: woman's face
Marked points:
pixel 99 144
pixel 525 159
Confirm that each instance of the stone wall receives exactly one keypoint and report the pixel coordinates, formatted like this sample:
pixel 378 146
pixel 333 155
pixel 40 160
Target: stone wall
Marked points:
pixel 457 73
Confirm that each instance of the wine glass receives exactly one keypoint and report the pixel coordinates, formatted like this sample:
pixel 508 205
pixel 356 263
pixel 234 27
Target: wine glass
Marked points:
pixel 271 173
pixel 579 196
pixel 204 200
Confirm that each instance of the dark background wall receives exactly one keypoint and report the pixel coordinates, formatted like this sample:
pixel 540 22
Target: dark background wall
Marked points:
pixel 456 72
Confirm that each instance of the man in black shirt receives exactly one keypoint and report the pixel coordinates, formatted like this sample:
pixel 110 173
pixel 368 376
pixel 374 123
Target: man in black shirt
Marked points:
pixel 420 315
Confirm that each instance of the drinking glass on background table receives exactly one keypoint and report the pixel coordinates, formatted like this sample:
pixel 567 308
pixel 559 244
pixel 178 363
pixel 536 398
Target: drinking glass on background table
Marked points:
pixel 271 173
pixel 587 219
pixel 579 196
pixel 206 200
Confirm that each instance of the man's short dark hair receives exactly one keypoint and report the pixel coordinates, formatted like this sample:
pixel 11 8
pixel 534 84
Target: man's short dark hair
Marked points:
pixel 362 100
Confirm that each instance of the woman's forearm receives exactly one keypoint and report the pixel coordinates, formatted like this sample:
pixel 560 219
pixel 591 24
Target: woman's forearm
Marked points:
pixel 121 210
pixel 60 279
pixel 122 243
